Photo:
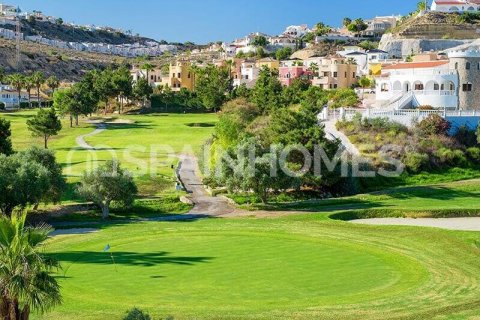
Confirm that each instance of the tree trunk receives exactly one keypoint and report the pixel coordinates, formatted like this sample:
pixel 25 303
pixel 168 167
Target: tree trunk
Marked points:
pixel 4 308
pixel 25 313
pixel 76 120
pixel 38 97
pixel 105 210
pixel 29 99
pixel 71 121
pixel 45 137
pixel 106 107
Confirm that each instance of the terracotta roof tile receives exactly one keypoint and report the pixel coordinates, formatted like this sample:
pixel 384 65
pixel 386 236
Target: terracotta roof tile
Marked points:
pixel 416 65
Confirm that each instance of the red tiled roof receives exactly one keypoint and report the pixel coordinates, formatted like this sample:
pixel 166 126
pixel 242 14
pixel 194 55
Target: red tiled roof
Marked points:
pixel 416 65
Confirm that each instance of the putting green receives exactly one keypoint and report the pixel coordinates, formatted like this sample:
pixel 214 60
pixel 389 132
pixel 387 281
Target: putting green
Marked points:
pixel 301 267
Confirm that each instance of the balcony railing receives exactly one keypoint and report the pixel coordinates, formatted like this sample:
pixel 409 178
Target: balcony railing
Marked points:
pixel 427 92
pixel 412 72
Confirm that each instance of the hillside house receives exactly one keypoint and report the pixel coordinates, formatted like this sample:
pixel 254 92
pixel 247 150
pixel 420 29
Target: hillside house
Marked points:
pixel 455 5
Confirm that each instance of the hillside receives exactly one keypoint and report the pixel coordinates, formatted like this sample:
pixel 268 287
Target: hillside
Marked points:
pixel 66 33
pixel 437 25
pixel 67 65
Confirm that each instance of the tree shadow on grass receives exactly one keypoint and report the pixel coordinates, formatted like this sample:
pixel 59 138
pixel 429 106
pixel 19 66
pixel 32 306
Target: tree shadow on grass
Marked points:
pixel 428 192
pixel 328 205
pixel 147 259
pixel 136 125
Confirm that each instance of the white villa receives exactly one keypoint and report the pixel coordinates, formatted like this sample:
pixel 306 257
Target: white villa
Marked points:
pixel 455 5
pixel 415 84
pixel 9 97
pixel 249 72
pixel 296 31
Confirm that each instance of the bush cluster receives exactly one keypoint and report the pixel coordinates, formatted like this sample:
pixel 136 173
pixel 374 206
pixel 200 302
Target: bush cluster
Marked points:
pixel 427 145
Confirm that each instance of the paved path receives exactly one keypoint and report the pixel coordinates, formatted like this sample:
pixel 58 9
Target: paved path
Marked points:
pixel 204 204
pixel 80 140
pixel 464 224
pixel 332 133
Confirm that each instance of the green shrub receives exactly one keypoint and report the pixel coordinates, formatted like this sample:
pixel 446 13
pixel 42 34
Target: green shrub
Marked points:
pixel 474 153
pixel 2 106
pixel 137 314
pixel 466 137
pixel 434 124
pixel 451 157
pixel 24 105
pixel 415 161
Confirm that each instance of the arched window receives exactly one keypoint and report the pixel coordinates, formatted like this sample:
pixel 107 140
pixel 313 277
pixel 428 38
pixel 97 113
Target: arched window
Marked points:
pixel 418 86
pixel 467 66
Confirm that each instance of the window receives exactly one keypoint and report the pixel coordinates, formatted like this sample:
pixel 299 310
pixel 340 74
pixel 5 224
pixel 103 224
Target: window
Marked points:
pixel 179 75
pixel 189 75
pixel 325 74
pixel 335 74
pixel 436 87
pixel 467 87
pixel 354 75
pixel 467 66
pixel 456 65
pixel 335 86
pixel 384 87
pixel 346 74
pixel 418 86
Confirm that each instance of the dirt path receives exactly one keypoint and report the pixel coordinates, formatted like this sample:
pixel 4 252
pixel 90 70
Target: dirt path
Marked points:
pixel 333 133
pixel 204 204
pixel 80 140
pixel 464 224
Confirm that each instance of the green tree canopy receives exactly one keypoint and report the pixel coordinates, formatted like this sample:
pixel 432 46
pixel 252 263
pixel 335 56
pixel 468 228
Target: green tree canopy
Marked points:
pixel 5 140
pixel 108 183
pixel 260 41
pixel 142 90
pixel 21 183
pixel 283 53
pixel 45 124
pixel 212 86
pixel 46 158
pixel 267 93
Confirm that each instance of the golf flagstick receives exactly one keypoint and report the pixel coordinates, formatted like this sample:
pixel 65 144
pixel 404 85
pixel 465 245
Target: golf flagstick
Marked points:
pixel 107 249
pixel 113 260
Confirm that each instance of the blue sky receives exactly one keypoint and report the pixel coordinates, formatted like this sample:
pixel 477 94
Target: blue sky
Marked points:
pixel 202 21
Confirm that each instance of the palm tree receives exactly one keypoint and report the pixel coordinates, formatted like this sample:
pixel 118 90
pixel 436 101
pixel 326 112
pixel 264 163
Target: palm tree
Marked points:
pixel 364 83
pixel 29 85
pixel 26 282
pixel 147 67
pixel 17 81
pixel 194 69
pixel 53 83
pixel 38 79
pixel 230 65
pixel 314 68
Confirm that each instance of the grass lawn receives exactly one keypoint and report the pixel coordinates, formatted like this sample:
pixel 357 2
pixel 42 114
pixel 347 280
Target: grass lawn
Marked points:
pixel 301 267
pixel 458 198
pixel 147 147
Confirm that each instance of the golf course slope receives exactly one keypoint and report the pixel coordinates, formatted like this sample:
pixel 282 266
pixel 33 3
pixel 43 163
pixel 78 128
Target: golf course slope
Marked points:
pixel 301 267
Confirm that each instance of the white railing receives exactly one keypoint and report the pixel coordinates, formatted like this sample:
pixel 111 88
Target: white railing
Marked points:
pixel 412 72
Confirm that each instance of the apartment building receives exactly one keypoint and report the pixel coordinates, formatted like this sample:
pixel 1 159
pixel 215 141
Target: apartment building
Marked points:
pixel 181 76
pixel 335 72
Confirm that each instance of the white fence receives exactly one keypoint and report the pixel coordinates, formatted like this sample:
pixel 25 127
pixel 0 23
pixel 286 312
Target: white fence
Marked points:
pixel 405 117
